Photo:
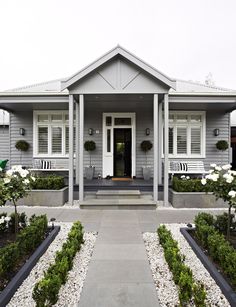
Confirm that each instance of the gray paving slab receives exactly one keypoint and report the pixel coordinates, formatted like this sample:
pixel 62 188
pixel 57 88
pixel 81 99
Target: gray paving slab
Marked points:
pixel 120 235
pixel 119 295
pixel 119 252
pixel 119 271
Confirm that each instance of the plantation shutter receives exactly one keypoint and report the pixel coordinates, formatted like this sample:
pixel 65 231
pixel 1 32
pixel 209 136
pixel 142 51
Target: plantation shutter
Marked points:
pixel 56 140
pixel 171 140
pixel 181 140
pixel 42 140
pixel 196 140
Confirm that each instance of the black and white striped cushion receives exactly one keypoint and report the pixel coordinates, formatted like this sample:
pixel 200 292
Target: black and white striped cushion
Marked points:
pixel 45 164
pixel 183 167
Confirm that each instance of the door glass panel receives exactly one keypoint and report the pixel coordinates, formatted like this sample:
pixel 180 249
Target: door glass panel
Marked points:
pixel 109 140
pixel 123 121
pixel 122 152
pixel 108 120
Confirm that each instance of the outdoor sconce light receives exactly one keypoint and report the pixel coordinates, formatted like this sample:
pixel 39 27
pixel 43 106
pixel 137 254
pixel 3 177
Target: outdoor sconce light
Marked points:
pixel 216 132
pixel 22 131
pixel 147 131
pixel 90 131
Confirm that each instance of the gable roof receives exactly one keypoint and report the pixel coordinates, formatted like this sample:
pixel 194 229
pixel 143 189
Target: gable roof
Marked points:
pixel 125 54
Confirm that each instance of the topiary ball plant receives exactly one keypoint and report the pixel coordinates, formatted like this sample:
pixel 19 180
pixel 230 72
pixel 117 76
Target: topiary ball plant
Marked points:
pixel 222 145
pixel 22 145
pixel 146 146
pixel 90 146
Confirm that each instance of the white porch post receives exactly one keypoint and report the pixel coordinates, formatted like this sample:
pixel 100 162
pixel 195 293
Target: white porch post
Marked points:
pixel 81 148
pixel 166 149
pixel 77 142
pixel 71 149
pixel 155 147
pixel 160 142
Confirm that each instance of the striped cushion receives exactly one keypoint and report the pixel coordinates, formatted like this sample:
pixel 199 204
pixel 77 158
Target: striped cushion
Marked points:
pixel 183 167
pixel 45 164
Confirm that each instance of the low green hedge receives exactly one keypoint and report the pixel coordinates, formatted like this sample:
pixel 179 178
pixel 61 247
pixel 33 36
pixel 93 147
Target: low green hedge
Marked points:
pixel 45 292
pixel 51 182
pixel 27 240
pixel 217 246
pixel 182 274
pixel 187 185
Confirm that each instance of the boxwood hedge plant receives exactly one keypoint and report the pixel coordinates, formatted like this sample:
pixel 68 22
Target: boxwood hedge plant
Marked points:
pixel 45 292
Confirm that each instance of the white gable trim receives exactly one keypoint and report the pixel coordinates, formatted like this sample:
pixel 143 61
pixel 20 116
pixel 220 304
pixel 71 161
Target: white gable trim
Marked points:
pixel 126 54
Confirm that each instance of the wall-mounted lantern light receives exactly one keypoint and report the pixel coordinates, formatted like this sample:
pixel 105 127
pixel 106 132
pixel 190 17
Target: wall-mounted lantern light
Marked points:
pixel 22 131
pixel 147 131
pixel 90 131
pixel 216 132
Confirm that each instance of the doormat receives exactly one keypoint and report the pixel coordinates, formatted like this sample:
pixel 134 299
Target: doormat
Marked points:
pixel 121 179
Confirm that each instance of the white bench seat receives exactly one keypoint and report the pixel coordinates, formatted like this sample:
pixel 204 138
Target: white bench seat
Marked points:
pixel 186 167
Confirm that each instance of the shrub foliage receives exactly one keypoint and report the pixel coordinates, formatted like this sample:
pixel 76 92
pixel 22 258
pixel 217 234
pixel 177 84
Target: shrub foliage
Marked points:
pixel 182 274
pixel 46 291
pixel 51 182
pixel 218 247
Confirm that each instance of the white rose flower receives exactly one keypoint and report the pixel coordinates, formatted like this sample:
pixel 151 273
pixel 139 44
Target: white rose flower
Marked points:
pixel 33 178
pixel 7 180
pixel 9 172
pixel 232 193
pixel 233 173
pixel 7 218
pixel 182 177
pixel 226 167
pixel 203 181
pixel 213 165
pixel 211 171
pixel 187 177
pixel 2 220
pixel 218 168
pixel 26 181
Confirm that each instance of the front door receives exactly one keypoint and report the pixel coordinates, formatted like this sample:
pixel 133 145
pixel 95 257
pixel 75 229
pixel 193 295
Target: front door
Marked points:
pixel 122 152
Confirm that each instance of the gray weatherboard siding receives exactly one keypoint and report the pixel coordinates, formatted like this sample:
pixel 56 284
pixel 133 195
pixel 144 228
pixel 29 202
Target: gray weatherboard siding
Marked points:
pixel 93 119
pixel 4 142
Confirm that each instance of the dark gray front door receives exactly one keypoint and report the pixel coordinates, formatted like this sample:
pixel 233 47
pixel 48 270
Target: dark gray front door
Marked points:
pixel 122 152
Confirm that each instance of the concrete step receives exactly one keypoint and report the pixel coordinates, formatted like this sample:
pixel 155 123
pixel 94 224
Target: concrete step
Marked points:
pixel 118 204
pixel 118 194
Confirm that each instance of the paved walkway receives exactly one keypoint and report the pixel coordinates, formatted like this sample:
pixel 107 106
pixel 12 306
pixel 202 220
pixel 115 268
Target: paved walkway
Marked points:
pixel 119 274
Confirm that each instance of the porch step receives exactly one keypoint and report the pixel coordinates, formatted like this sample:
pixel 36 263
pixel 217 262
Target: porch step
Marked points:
pixel 94 203
pixel 118 194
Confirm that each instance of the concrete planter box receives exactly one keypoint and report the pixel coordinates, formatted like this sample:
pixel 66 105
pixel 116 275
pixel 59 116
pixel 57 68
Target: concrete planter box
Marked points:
pixel 49 198
pixel 195 200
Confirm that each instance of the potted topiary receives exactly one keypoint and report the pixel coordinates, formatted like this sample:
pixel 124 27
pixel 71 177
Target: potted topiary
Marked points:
pixel 222 145
pixel 146 146
pixel 89 146
pixel 22 146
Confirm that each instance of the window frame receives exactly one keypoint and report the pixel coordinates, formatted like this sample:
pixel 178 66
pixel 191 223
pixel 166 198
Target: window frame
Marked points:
pixel 50 124
pixel 189 126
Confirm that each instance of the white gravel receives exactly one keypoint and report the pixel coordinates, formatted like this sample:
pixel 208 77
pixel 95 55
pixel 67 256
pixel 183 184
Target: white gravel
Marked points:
pixel 70 293
pixel 214 295
pixel 166 289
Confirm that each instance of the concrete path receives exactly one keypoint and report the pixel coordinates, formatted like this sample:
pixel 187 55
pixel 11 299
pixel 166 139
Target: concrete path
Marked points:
pixel 119 274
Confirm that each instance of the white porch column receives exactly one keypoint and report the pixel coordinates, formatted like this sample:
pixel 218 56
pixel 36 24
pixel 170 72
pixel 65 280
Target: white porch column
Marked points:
pixel 166 149
pixel 160 142
pixel 81 148
pixel 71 149
pixel 77 142
pixel 155 147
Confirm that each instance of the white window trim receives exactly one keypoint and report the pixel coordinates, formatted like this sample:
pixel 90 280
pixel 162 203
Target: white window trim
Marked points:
pixel 49 124
pixel 203 135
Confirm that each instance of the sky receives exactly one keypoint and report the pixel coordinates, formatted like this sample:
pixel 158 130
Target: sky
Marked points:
pixel 50 39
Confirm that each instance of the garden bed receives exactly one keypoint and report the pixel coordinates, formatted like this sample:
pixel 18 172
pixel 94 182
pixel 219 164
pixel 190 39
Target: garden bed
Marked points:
pixel 18 257
pixel 213 269
pixel 166 289
pixel 70 292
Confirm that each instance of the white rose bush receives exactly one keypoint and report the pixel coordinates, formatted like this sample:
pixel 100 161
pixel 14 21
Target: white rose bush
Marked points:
pixel 14 185
pixel 221 180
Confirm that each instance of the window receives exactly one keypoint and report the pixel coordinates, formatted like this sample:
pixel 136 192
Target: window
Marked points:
pixel 52 133
pixel 186 134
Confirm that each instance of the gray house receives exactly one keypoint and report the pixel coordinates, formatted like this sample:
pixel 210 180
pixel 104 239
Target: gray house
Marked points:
pixel 4 135
pixel 118 101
